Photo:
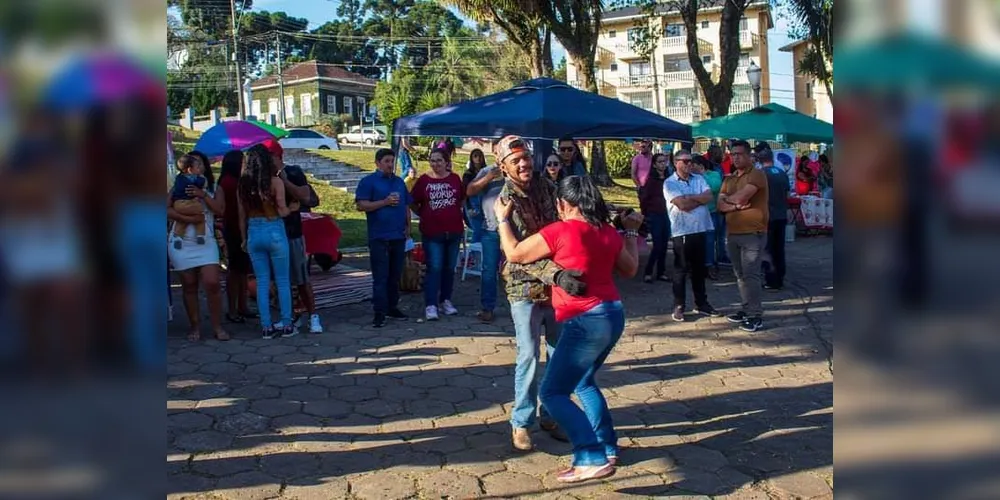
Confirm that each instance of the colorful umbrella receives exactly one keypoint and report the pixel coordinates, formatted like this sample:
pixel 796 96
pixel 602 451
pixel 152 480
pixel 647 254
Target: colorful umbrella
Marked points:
pixel 236 134
pixel 99 79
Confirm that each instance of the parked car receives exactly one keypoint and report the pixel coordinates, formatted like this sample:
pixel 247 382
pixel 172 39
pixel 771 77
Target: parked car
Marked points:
pixel 303 138
pixel 369 136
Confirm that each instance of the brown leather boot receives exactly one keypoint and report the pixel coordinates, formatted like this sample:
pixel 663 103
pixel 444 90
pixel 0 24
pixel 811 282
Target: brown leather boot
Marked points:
pixel 522 439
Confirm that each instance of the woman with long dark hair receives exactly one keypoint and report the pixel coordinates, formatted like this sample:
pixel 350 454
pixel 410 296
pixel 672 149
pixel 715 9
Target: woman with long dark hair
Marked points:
pixel 805 180
pixel 554 170
pixel 238 262
pixel 472 209
pixel 654 208
pixel 583 240
pixel 200 263
pixel 262 205
pixel 437 197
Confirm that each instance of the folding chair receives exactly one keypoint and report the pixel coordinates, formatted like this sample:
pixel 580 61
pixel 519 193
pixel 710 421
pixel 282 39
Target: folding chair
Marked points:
pixel 465 254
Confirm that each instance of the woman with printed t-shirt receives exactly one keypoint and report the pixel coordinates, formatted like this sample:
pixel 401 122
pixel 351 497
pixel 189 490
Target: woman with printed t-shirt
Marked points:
pixel 591 323
pixel 437 197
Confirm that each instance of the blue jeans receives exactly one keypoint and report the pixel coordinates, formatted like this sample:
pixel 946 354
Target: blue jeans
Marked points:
pixel 529 321
pixel 442 257
pixel 491 266
pixel 716 246
pixel 659 228
pixel 387 258
pixel 477 225
pixel 584 344
pixel 140 247
pixel 267 245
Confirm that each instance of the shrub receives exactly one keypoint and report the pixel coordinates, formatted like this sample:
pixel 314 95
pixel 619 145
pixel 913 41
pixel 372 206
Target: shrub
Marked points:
pixel 619 158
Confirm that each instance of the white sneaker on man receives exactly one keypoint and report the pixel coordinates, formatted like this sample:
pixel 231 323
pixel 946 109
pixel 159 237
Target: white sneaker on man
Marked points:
pixel 314 324
pixel 431 313
pixel 448 308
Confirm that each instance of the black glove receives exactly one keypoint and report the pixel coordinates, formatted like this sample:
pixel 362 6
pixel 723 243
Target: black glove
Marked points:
pixel 567 279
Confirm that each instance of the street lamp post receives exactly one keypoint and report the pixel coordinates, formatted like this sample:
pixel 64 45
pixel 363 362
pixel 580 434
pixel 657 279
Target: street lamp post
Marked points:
pixel 753 74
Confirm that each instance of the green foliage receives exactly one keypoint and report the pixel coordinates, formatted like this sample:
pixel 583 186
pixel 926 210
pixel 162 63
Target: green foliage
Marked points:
pixel 619 159
pixel 560 72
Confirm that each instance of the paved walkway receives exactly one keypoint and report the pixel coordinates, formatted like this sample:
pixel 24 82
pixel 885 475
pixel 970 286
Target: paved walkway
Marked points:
pixel 420 410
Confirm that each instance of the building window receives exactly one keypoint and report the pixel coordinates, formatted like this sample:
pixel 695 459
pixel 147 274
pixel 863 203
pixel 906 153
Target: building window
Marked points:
pixel 305 104
pixel 809 91
pixel 614 66
pixel 612 33
pixel 255 108
pixel 331 104
pixel 363 106
pixel 707 59
pixel 272 107
pixel 744 24
pixel 744 59
pixel 674 29
pixel 289 107
pixel 349 106
pixel 638 68
pixel 642 100
pixel 704 25
pixel 676 62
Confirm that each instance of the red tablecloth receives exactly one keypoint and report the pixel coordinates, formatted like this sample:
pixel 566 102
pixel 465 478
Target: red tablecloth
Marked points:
pixel 321 234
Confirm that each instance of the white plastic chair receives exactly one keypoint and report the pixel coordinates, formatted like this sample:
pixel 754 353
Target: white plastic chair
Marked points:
pixel 465 254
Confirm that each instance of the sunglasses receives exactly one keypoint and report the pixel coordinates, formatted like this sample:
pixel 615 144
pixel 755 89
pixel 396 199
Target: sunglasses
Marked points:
pixel 567 150
pixel 552 164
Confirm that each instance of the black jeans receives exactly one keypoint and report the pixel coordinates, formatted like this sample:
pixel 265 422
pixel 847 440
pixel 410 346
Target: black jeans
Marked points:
pixel 689 259
pixel 774 262
pixel 387 258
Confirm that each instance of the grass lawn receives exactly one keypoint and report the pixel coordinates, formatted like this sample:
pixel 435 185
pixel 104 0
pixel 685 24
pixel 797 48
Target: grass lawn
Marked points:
pixel 352 222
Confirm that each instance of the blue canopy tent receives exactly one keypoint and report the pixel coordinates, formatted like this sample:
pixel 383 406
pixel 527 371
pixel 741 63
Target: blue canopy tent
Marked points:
pixel 541 110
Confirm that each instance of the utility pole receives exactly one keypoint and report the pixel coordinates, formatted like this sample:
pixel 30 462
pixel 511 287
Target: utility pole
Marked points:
pixel 236 62
pixel 281 82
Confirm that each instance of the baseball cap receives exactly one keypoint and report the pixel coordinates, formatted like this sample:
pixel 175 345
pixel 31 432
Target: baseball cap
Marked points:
pixel 509 145
pixel 274 147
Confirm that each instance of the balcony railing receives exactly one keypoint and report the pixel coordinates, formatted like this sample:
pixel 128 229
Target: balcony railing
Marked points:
pixel 679 78
pixel 678 45
pixel 746 39
pixel 683 114
pixel 739 107
pixel 636 81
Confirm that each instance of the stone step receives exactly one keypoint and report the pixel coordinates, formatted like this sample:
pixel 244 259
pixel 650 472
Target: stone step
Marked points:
pixel 342 177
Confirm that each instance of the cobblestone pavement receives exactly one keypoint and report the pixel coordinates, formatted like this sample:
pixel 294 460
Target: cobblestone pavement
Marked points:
pixel 414 410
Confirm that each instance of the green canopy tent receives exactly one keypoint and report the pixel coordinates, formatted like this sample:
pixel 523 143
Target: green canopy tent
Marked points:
pixel 770 122
pixel 913 60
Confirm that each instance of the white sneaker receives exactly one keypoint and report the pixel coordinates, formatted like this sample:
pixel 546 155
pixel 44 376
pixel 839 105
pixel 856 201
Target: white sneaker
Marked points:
pixel 314 325
pixel 431 313
pixel 448 308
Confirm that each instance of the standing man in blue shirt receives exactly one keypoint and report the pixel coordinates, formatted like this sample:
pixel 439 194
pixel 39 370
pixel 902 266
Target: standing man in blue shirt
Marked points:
pixel 777 209
pixel 383 197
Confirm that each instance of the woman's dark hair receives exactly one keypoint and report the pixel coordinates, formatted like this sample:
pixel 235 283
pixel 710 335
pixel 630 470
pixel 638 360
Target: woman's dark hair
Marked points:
pixel 581 192
pixel 653 172
pixel 824 159
pixel 803 159
pixel 209 175
pixel 472 155
pixel 255 181
pixel 232 164
pixel 441 151
pixel 700 160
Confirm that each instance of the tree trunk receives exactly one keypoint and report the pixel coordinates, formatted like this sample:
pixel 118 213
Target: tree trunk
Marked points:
pixel 537 58
pixel 599 165
pixel 547 68
pixel 585 69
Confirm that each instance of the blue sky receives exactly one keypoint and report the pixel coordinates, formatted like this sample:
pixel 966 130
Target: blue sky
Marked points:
pixel 782 81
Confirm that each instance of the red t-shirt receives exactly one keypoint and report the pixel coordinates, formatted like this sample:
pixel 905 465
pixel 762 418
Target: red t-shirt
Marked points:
pixel 578 245
pixel 439 203
pixel 231 218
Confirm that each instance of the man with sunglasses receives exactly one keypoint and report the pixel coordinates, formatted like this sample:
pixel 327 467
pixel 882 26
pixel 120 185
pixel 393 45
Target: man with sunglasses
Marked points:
pixel 572 160
pixel 528 286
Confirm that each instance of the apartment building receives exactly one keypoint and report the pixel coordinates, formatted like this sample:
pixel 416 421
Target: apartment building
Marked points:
pixel 811 97
pixel 665 83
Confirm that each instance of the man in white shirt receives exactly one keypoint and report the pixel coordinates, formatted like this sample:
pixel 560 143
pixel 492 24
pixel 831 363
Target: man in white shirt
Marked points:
pixel 687 194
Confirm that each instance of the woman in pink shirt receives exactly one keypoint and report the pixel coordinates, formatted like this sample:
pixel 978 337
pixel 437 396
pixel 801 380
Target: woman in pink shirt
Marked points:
pixel 583 240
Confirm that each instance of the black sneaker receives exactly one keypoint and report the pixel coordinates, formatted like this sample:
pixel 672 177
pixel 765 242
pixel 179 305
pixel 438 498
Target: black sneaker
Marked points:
pixel 678 314
pixel 268 333
pixel 772 288
pixel 289 331
pixel 752 325
pixel 707 310
pixel 737 318
pixel 379 320
pixel 396 314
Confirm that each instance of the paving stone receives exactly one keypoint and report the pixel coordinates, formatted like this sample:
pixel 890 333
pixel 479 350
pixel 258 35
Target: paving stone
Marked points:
pixel 203 441
pixel 256 392
pixel 450 394
pixel 697 457
pixel 327 408
pixel 275 407
pixel 355 393
pixel 800 484
pixel 266 368
pixel 289 465
pixel 186 485
pixel 305 392
pixel 378 409
pixel 316 488
pixel 383 486
pixel 250 358
pixel 223 464
pixel 189 421
pixel 249 486
pixel 275 350
pixel 448 484
pixel 242 424
pixel 221 367
pixel 511 484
